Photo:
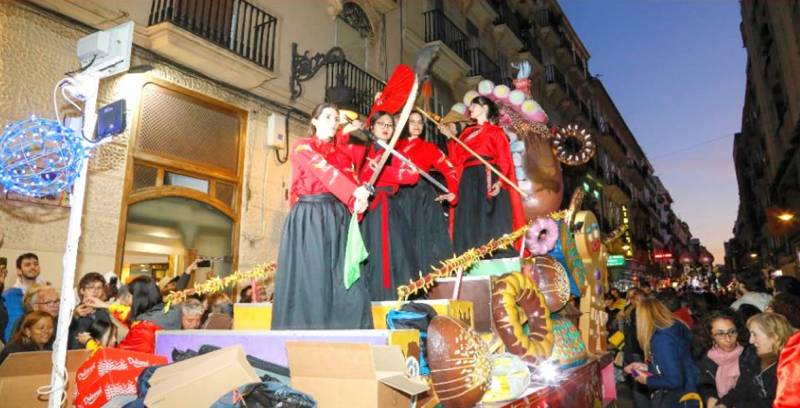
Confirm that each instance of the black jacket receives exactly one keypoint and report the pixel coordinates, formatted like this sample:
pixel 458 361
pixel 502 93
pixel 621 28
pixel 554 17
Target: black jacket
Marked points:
pixel 632 352
pixel 82 324
pixel 749 367
pixel 757 389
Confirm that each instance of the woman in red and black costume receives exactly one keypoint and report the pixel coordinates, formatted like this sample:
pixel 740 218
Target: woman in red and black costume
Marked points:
pixel 385 230
pixel 487 207
pixel 309 284
pixel 421 203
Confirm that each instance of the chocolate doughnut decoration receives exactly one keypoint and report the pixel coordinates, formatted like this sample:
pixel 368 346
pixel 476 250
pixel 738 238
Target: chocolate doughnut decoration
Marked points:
pixel 573 146
pixel 551 278
pixel 459 362
pixel 516 298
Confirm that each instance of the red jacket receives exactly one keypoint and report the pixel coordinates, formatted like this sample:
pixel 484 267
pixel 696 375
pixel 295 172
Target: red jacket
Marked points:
pixel 322 167
pixel 788 393
pixel 427 156
pixel 141 337
pixel 490 142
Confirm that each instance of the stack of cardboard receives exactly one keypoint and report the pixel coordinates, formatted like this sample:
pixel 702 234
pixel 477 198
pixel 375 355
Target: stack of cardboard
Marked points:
pixel 200 381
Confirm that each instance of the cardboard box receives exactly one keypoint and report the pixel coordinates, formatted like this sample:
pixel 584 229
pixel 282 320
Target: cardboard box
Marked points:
pixel 252 316
pixel 457 309
pixel 22 373
pixel 200 381
pixel 348 375
pixel 476 289
pixel 270 345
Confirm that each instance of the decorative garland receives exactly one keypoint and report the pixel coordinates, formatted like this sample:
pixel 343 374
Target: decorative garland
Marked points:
pixel 214 285
pixel 464 261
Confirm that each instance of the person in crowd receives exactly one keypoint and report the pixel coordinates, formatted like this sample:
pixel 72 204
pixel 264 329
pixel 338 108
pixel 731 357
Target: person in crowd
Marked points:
pixel 309 284
pixel 787 305
pixel 91 285
pixel 753 291
pixel 246 294
pixel 788 393
pixel 786 284
pixel 3 310
pixel 671 373
pixel 43 299
pixel 147 315
pixel 768 333
pixel 421 203
pixel 646 288
pixel 746 310
pixel 35 334
pixel 28 272
pixel 669 297
pixel 103 332
pixel 192 311
pixel 632 352
pixel 385 228
pixel 487 207
pixel 729 362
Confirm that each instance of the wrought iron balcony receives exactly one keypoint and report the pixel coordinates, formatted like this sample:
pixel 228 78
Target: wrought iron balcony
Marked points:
pixel 236 25
pixel 544 18
pixel 483 66
pixel 506 16
pixel 355 78
pixel 439 28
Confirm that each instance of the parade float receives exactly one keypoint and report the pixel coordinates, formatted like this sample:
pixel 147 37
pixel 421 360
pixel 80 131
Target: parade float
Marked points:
pixel 515 332
pixel 518 332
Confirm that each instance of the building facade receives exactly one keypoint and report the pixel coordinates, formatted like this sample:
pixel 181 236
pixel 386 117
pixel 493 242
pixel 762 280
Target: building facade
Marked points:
pixel 200 169
pixel 766 149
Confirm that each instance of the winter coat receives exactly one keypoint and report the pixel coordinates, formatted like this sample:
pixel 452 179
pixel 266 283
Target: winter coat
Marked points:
pixel 788 393
pixel 757 299
pixel 632 352
pixel 14 308
pixel 167 321
pixel 754 391
pixel 672 369
pixel 749 367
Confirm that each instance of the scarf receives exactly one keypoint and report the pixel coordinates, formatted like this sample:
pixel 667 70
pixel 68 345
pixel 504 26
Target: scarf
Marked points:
pixel 727 368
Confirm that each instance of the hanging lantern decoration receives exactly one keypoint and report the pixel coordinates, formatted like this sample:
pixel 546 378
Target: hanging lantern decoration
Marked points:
pixel 40 157
pixel 686 259
pixel 573 146
pixel 706 258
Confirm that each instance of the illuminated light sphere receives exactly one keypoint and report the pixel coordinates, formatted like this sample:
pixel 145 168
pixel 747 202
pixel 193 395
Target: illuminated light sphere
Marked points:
pixel 501 92
pixel 39 157
pixel 460 108
pixel 485 87
pixel 516 97
pixel 469 96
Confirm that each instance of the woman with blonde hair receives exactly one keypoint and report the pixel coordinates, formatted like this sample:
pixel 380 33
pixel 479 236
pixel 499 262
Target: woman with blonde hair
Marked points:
pixel 670 372
pixel 768 333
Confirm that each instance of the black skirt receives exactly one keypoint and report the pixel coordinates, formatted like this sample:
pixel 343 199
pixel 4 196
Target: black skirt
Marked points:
pixel 309 284
pixel 479 218
pixel 400 249
pixel 428 224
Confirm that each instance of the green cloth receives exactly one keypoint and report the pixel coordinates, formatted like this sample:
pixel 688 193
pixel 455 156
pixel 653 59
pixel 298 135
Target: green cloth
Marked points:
pixel 354 254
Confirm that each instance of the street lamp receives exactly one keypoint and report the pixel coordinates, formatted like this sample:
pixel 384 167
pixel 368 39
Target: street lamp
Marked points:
pixel 753 255
pixel 786 216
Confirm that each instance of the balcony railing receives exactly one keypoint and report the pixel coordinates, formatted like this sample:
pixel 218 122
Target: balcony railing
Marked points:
pixel 506 16
pixel 544 18
pixel 236 25
pixel 483 65
pixel 439 28
pixel 364 84
pixel 553 76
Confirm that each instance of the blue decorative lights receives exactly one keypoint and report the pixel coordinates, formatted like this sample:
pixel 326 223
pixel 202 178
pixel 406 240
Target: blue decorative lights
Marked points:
pixel 40 157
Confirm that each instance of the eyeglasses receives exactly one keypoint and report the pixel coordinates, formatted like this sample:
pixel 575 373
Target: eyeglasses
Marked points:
pixel 385 125
pixel 50 302
pixel 729 333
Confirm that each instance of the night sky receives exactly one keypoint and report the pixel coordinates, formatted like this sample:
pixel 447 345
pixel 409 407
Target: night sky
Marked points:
pixel 676 71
